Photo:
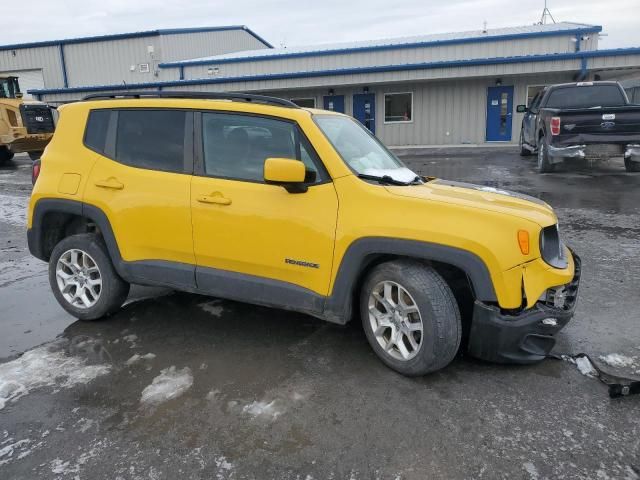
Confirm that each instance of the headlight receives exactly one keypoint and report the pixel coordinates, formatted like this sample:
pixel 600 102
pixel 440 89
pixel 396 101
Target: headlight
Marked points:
pixel 552 248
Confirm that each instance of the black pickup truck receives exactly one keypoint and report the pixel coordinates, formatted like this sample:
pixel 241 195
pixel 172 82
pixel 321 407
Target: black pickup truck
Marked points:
pixel 584 120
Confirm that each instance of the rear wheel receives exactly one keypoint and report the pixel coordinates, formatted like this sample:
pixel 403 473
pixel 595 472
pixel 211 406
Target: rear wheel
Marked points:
pixel 524 152
pixel 410 317
pixel 83 279
pixel 631 166
pixel 543 166
pixel 5 154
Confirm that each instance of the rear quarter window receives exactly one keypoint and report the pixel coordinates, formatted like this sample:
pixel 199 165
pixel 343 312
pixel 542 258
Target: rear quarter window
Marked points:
pixel 95 135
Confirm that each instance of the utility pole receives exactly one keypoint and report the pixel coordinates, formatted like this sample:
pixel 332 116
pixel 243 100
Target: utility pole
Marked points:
pixel 546 15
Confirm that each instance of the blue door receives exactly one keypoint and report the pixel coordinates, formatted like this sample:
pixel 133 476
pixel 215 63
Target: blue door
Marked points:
pixel 335 103
pixel 499 114
pixel 364 110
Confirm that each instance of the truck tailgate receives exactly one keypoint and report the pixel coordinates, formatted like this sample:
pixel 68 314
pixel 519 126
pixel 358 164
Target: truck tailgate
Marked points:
pixel 600 120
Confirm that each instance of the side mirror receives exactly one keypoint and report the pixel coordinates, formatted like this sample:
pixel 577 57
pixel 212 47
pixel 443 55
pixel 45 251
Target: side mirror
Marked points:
pixel 522 109
pixel 287 173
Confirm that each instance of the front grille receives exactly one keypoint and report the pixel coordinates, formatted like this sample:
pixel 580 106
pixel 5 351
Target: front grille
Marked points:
pixel 37 118
pixel 600 150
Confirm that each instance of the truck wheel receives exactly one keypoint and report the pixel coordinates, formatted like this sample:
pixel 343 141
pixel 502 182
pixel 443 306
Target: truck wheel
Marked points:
pixel 35 155
pixel 631 166
pixel 543 166
pixel 83 279
pixel 523 151
pixel 5 155
pixel 410 317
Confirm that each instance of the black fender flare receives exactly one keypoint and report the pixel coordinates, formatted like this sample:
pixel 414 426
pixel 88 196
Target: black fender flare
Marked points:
pixel 45 206
pixel 338 306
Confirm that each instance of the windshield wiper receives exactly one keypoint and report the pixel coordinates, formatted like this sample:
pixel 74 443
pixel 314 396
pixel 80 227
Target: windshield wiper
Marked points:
pixel 389 180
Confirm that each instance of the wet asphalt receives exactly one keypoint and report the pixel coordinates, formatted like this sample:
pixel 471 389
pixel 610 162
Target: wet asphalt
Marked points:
pixel 285 396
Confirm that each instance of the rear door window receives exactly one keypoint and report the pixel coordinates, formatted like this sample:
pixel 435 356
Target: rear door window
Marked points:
pixel 151 139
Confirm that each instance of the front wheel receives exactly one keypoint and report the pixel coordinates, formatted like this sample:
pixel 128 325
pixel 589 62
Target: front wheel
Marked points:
pixel 410 317
pixel 83 279
pixel 544 165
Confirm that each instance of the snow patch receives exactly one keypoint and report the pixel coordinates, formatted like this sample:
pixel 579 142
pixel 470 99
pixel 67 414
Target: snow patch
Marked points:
pixel 137 357
pixel 13 209
pixel 617 360
pixel 7 451
pixel 131 338
pixel 401 174
pixel 531 470
pixel 262 409
pixel 213 307
pixel 45 366
pixel 170 384
pixel 84 424
pixel 585 367
pixel 60 467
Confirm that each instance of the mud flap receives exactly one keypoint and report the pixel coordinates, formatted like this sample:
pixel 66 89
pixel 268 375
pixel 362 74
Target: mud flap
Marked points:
pixel 618 386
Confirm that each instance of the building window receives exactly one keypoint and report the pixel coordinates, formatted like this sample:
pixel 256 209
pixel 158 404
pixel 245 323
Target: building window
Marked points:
pixel 398 107
pixel 305 102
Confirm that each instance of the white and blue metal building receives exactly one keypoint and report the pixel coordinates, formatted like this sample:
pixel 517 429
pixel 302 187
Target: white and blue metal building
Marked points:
pixel 443 89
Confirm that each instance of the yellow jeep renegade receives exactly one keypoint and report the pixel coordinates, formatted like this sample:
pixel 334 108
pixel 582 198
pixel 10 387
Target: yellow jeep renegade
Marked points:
pixel 254 199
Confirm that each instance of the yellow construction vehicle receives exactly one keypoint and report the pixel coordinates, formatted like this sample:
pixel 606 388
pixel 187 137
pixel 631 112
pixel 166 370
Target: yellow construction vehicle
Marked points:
pixel 25 125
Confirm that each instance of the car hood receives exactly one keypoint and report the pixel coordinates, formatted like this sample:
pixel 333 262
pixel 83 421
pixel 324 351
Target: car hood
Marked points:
pixel 481 197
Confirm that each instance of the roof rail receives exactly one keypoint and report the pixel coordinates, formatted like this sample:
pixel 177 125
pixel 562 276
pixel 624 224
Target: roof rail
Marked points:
pixel 232 96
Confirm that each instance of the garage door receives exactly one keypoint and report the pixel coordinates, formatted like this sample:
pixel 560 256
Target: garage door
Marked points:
pixel 28 79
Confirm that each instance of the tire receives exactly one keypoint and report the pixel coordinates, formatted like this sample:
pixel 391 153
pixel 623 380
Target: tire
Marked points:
pixel 631 166
pixel 436 311
pixel 93 259
pixel 523 151
pixel 543 165
pixel 35 155
pixel 5 155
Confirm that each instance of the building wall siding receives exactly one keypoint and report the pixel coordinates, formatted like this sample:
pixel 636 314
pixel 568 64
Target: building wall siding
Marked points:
pixel 46 59
pixel 107 63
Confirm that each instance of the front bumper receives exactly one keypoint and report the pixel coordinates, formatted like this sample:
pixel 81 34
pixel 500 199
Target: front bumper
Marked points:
pixel 526 337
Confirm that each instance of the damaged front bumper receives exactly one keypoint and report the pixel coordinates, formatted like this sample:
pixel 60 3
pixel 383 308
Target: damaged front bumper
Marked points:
pixel 525 337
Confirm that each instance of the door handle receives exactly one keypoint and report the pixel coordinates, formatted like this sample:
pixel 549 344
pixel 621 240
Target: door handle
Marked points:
pixel 216 198
pixel 111 183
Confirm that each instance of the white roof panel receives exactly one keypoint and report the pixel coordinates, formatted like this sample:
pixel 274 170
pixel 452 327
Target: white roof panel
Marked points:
pixel 399 41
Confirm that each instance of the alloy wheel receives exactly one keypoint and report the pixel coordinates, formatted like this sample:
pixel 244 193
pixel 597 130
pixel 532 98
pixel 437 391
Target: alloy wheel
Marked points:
pixel 78 278
pixel 395 320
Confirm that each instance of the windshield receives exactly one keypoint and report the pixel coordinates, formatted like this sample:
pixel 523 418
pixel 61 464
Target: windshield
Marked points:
pixel 9 87
pixel 360 150
pixel 586 97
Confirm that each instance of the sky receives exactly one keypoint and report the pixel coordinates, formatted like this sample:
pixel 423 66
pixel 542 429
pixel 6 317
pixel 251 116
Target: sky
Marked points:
pixel 298 22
